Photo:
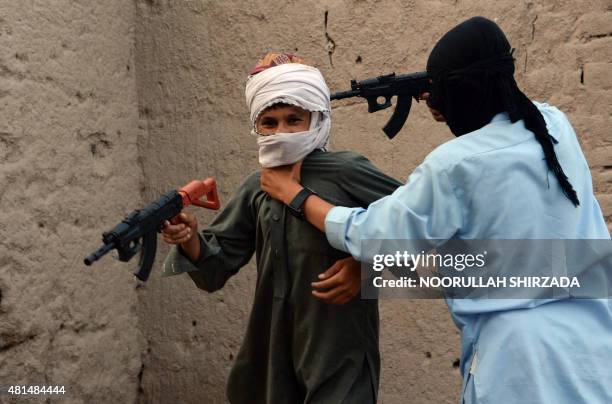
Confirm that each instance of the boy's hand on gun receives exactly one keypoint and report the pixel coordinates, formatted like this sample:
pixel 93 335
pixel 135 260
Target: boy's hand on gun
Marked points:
pixel 181 230
pixel 340 283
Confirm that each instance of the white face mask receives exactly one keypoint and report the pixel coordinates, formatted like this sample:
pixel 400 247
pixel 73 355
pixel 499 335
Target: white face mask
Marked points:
pixel 287 148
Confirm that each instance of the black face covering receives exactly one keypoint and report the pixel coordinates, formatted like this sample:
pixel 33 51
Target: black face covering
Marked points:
pixel 473 80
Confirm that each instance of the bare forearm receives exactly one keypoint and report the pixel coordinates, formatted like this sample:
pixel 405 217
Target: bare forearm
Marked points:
pixel 191 248
pixel 315 210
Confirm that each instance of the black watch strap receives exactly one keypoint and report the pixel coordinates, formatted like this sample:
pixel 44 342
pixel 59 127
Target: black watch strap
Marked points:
pixel 296 206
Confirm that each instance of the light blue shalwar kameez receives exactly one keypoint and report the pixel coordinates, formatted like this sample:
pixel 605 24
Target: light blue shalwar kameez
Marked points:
pixel 493 183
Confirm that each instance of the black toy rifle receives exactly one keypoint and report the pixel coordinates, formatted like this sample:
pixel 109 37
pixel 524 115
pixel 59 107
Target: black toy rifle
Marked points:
pixel 138 231
pixel 404 86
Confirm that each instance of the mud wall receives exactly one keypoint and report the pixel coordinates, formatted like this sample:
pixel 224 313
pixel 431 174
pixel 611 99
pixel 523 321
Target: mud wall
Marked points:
pixel 192 58
pixel 105 105
pixel 68 169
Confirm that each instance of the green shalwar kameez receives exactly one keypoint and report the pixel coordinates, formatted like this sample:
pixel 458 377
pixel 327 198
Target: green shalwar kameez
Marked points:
pixel 297 349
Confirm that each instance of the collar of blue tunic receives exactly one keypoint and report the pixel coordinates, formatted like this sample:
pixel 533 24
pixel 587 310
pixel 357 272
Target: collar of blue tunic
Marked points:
pixel 504 117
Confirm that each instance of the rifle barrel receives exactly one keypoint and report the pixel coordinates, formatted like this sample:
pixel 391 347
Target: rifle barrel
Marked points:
pixel 344 94
pixel 93 257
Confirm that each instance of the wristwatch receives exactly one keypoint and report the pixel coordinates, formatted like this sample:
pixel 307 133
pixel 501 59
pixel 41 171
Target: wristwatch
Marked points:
pixel 296 206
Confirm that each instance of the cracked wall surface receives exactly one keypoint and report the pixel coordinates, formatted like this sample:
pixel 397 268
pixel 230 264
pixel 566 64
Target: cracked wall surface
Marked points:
pixel 68 171
pixel 106 105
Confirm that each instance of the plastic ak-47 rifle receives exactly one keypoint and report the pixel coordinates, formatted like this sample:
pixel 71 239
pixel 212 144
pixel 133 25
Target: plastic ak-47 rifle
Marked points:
pixel 137 232
pixel 404 86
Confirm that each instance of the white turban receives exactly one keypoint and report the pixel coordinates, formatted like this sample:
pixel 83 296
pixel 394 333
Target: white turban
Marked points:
pixel 294 84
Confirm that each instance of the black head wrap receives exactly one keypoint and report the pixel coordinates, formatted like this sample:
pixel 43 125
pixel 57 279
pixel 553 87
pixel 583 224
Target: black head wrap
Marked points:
pixel 473 80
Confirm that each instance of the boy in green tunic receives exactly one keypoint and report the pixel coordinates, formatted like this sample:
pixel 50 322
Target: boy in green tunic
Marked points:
pixel 297 348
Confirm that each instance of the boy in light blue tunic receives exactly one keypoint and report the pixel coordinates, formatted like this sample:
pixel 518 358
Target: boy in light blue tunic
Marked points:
pixel 515 171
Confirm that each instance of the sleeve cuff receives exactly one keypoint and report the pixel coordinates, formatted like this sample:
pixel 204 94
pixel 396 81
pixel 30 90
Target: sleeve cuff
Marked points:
pixel 178 262
pixel 336 223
